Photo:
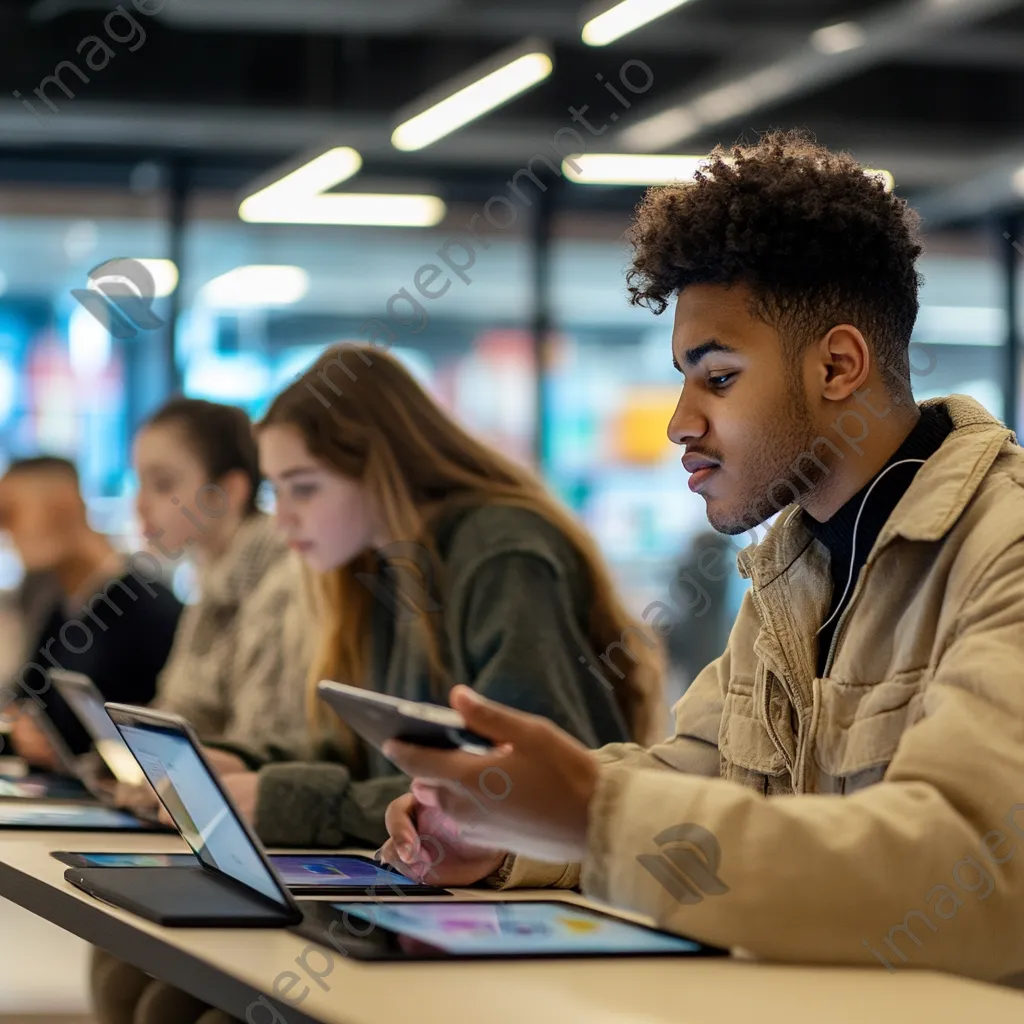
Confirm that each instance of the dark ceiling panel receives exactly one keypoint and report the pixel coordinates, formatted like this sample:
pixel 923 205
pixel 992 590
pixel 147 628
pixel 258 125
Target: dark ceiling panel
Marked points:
pixel 943 101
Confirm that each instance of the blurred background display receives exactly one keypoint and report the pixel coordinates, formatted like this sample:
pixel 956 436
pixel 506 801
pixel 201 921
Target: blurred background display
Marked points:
pixel 278 172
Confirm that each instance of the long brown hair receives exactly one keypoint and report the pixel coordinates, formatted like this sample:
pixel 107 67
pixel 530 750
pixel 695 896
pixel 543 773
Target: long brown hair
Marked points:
pixel 361 413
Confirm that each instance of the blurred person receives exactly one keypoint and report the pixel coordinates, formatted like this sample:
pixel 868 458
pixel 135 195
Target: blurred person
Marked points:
pixel 505 593
pixel 238 664
pixel 113 623
pixel 847 775
pixel 23 609
pixel 436 560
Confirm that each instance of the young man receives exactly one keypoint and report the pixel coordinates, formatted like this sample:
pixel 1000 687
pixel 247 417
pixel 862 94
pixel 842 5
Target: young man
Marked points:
pixel 112 623
pixel 846 782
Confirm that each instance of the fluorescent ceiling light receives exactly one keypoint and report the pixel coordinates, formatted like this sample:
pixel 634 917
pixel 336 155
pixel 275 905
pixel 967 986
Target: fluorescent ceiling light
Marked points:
pixel 625 17
pixel 649 169
pixel 356 208
pixel 517 72
pixel 254 286
pixel 1018 181
pixel 319 175
pixel 302 197
pixel 846 35
pixel 630 168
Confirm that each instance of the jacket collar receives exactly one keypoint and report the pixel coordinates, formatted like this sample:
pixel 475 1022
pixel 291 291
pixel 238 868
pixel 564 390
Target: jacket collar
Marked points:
pixel 936 498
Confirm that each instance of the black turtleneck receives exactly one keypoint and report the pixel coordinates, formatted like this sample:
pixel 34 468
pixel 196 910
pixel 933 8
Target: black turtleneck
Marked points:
pixel 932 428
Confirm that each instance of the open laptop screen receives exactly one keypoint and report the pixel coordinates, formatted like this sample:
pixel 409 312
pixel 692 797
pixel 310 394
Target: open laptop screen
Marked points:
pixel 195 802
pixel 86 702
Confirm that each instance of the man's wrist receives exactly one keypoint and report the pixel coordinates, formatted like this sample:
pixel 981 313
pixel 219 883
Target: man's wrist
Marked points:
pixel 499 879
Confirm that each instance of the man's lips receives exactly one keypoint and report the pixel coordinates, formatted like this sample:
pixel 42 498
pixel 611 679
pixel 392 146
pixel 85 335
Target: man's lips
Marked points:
pixel 699 469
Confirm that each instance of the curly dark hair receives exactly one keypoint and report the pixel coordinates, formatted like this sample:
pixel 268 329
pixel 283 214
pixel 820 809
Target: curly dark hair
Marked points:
pixel 817 240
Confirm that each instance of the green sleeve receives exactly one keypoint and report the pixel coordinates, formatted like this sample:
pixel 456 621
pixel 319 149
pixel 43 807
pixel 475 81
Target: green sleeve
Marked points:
pixel 523 646
pixel 318 805
pixel 519 644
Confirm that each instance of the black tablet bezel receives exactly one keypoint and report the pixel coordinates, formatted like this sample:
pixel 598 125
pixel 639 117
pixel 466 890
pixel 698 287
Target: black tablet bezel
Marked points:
pixel 379 717
pixel 76 860
pixel 318 916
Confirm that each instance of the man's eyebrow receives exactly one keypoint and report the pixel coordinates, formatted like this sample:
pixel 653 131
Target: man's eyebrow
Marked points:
pixel 698 352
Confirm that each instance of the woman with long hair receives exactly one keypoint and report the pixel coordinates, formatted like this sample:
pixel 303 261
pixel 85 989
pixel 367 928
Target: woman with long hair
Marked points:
pixel 435 560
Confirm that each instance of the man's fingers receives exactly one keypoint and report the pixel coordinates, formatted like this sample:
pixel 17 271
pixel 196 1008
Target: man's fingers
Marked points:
pixel 398 819
pixel 487 718
pixel 430 763
pixel 389 855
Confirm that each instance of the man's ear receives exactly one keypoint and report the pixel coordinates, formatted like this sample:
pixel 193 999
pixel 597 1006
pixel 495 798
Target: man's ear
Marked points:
pixel 845 362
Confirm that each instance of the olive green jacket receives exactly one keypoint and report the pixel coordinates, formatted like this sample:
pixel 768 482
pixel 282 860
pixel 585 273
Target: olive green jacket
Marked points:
pixel 513 604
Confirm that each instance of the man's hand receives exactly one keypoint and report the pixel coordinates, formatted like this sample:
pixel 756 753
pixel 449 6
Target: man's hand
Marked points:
pixel 531 795
pixel 30 742
pixel 425 844
pixel 223 762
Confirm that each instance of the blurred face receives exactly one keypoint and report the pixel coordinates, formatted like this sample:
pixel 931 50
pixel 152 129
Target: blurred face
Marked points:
pixel 170 479
pixel 742 420
pixel 43 514
pixel 324 515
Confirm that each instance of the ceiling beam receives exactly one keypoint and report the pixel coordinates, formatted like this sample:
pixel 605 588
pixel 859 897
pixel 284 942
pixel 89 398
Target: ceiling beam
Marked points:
pixel 751 86
pixel 917 156
pixel 981 48
pixel 435 19
pixel 259 130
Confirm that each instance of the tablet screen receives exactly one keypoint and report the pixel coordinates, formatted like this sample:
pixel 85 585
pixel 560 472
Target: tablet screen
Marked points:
pixel 496 929
pixel 137 860
pixel 46 815
pixel 198 808
pixel 54 787
pixel 331 871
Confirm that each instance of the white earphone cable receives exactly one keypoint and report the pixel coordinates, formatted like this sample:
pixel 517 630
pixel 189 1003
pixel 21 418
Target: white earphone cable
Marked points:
pixel 856 524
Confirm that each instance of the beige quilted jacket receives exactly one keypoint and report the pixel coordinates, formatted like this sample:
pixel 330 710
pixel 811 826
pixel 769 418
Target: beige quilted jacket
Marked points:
pixel 873 816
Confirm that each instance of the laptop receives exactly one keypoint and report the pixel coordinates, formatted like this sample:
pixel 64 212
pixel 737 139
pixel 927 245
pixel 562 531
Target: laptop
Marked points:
pixel 81 695
pixel 234 884
pixel 230 882
pixel 85 776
